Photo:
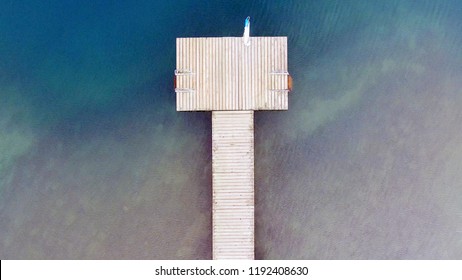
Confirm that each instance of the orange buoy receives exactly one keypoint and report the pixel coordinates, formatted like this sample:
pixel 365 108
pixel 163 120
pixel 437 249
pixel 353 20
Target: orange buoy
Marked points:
pixel 289 82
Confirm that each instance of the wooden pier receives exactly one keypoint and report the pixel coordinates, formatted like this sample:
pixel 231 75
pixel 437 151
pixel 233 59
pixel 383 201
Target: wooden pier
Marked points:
pixel 232 80
pixel 223 74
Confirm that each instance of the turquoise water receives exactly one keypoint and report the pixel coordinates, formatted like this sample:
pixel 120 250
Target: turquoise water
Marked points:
pixel 96 163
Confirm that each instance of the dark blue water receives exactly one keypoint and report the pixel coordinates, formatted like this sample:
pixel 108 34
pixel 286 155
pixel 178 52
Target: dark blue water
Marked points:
pixel 96 163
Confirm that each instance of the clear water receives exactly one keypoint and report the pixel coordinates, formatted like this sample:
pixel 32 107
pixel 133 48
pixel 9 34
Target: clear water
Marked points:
pixel 96 163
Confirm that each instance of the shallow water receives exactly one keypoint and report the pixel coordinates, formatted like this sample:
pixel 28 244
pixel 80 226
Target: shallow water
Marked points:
pixel 96 163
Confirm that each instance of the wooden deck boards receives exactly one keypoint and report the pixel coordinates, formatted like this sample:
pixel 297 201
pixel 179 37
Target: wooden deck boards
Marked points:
pixel 233 184
pixel 232 80
pixel 223 74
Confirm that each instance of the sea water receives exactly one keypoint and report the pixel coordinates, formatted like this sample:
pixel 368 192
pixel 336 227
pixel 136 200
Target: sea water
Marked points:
pixel 96 163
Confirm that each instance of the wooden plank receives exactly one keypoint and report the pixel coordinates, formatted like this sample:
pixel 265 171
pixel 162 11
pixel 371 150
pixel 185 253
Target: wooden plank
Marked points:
pixel 242 72
pixel 233 184
pixel 199 81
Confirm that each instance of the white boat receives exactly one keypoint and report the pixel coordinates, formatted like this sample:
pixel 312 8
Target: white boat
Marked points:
pixel 247 31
